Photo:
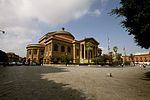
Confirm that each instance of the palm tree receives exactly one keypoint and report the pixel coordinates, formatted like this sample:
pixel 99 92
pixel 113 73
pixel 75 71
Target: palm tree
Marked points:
pixel 115 49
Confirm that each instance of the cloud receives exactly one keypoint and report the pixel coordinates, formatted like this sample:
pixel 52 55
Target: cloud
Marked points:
pixel 21 19
pixel 96 12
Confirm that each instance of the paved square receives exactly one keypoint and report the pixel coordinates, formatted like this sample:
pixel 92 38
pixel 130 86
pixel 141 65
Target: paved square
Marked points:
pixel 74 83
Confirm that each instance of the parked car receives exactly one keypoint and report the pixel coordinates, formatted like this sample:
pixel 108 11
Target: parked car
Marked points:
pixel 12 63
pixel 3 63
pixel 33 64
pixel 19 63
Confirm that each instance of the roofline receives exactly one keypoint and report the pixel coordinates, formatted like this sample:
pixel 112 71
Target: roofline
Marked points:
pixel 89 39
pixel 35 45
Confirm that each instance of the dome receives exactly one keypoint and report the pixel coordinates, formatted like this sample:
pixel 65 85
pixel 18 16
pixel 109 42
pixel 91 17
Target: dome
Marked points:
pixel 62 32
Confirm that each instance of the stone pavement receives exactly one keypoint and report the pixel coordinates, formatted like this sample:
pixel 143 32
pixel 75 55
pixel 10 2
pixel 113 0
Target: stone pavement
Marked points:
pixel 25 83
pixel 74 83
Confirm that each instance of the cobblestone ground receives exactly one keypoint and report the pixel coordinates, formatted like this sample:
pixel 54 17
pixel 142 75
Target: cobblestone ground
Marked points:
pixel 74 83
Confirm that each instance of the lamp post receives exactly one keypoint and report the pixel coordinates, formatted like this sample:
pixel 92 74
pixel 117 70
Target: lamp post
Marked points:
pixel 2 31
pixel 66 59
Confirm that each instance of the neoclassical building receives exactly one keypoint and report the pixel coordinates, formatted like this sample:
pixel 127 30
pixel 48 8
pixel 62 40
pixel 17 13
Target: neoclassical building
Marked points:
pixel 58 45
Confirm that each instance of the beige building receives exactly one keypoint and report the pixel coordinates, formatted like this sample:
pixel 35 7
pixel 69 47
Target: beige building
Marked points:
pixel 56 47
pixel 12 57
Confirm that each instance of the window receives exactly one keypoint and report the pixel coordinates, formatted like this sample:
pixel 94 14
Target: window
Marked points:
pixel 86 54
pixel 136 59
pixel 62 49
pixel 141 59
pixel 50 47
pixel 145 59
pixel 34 51
pixel 77 52
pixel 55 47
pixel 42 52
pixel 69 50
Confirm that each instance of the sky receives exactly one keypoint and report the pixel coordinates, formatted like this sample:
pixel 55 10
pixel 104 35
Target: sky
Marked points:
pixel 25 21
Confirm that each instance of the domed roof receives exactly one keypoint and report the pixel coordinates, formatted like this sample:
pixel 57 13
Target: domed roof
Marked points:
pixel 59 33
pixel 63 32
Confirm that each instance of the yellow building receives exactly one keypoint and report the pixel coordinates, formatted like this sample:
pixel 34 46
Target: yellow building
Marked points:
pixel 56 46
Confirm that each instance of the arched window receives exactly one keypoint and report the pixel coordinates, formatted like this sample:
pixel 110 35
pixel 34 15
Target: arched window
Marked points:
pixel 62 49
pixel 55 47
pixel 69 50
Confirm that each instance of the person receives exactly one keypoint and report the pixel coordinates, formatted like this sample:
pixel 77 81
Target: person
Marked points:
pixel 122 64
pixel 144 66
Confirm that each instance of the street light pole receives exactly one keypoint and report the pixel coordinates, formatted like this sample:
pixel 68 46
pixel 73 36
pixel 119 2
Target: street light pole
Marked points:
pixel 2 31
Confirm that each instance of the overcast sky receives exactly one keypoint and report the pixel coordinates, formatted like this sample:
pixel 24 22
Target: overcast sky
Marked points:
pixel 25 21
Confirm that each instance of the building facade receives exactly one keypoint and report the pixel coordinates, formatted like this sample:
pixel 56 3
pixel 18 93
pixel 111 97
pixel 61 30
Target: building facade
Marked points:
pixel 12 57
pixel 138 58
pixel 58 45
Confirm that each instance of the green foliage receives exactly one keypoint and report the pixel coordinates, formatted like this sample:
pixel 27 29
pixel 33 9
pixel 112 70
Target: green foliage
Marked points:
pixel 115 49
pixel 3 56
pixel 118 60
pixel 127 63
pixel 136 14
pixel 108 59
pixel 63 60
pixel 101 59
pixel 54 60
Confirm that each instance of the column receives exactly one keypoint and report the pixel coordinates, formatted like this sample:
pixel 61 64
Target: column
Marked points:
pixel 74 53
pixel 31 56
pixel 38 55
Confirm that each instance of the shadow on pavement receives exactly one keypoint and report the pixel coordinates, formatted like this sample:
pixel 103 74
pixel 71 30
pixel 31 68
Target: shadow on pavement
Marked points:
pixel 146 76
pixel 25 83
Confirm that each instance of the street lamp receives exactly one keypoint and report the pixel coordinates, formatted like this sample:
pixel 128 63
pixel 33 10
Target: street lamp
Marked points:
pixel 2 31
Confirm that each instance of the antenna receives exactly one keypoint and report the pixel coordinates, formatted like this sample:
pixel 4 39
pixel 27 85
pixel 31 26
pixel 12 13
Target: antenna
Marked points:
pixel 108 41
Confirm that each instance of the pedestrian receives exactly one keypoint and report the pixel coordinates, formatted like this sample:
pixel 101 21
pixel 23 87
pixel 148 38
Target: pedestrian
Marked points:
pixel 144 66
pixel 122 64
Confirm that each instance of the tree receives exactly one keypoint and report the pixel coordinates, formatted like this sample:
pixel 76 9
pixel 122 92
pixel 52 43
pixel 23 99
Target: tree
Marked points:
pixel 3 58
pixel 132 57
pixel 136 14
pixel 118 58
pixel 115 49
pixel 110 57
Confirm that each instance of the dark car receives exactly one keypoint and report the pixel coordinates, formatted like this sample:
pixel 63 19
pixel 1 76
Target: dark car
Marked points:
pixel 3 64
